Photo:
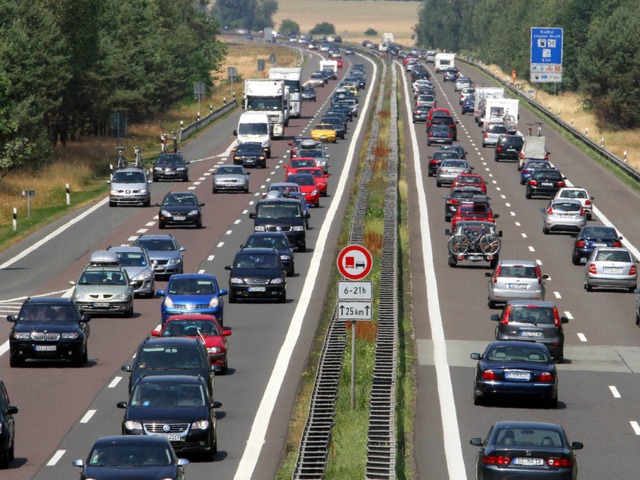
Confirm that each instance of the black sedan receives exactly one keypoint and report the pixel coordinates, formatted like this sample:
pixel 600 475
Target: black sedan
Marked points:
pixel 338 123
pixel 591 237
pixel 438 156
pixel 526 450
pixel 544 183
pixel 277 240
pixel 179 209
pixel 250 154
pixel 7 428
pixel 171 166
pixel 308 94
pixel 126 457
pixel 257 273
pixel 515 369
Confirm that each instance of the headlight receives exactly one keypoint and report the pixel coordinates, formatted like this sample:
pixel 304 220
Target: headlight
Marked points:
pixel 168 303
pixel 180 169
pixel 262 157
pixel 69 335
pixel 285 257
pixel 173 261
pixel 143 191
pixel 215 301
pixel 144 275
pixel 22 335
pixel 276 281
pixel 314 193
pixel 236 281
pixel 157 169
pixel 259 228
pixel 120 296
pixel 80 296
pixel 214 350
pixel 131 425
pixel 113 192
pixel 165 213
pixel 193 212
pixel 298 228
pixel 200 425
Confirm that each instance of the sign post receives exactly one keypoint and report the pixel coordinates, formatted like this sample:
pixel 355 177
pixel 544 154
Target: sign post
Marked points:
pixel 28 194
pixel 546 55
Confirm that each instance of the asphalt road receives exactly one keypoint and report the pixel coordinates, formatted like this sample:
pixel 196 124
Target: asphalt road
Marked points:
pixel 598 384
pixel 63 409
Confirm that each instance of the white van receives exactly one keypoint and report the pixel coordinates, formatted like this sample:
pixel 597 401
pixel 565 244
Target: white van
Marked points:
pixel 254 127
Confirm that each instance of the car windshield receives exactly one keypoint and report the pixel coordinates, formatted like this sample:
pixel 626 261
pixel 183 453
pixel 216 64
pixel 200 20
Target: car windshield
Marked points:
pixel 168 358
pixel 276 241
pixel 169 395
pixel 190 328
pixel 599 232
pixel 157 245
pixel 441 154
pixel 264 103
pixel 103 277
pixel 613 256
pixel 567 206
pixel 465 179
pixel 303 180
pixel 579 194
pixel 132 259
pixel 312 171
pixel 532 314
pixel 129 455
pixel 176 199
pixel 278 211
pixel 48 313
pixel 455 164
pixel 510 354
pixel 302 163
pixel 191 286
pixel 128 177
pixel 230 170
pixel 528 437
pixel 256 260
pixel 245 128
pixel 170 160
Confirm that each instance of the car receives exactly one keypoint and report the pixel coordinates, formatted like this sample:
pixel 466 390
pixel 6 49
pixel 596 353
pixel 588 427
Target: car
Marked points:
pixel 492 133
pixel 48 328
pixel 578 193
pixel 282 187
pixel 348 51
pixel 544 183
pixel 129 186
pixel 192 293
pixel 470 180
pixel 524 449
pixel 514 280
pixel 449 170
pixel 205 327
pixel 529 167
pixel 637 292
pixel 308 187
pixel 454 148
pixel 103 287
pixel 324 132
pixel 316 79
pixel 308 94
pixel 257 273
pixel 250 154
pixel 475 241
pixel 508 147
pixel 420 114
pixel 171 356
pixel 515 369
pixel 297 143
pixel 164 251
pixel 339 125
pixel 467 93
pixel 455 197
pixel 438 156
pixel 299 162
pixel 230 178
pixel 426 100
pixel 139 268
pixel 180 209
pixel 438 112
pixel 126 457
pixel 7 428
pixel 320 155
pixel 277 240
pixel 462 82
pixel 443 120
pixel 439 134
pixel 533 321
pixel 468 106
pixel 475 208
pixel 450 75
pixel 176 407
pixel 319 176
pixel 341 110
pixel 563 216
pixel 591 237
pixel 611 268
pixel 282 215
pixel 170 166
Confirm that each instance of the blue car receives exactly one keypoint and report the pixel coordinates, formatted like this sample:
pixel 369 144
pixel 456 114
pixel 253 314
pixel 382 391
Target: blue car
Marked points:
pixel 192 293
pixel 529 168
pixel 468 106
pixel 592 237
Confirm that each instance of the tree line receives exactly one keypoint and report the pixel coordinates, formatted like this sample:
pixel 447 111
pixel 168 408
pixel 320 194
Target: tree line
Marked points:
pixel 601 54
pixel 67 65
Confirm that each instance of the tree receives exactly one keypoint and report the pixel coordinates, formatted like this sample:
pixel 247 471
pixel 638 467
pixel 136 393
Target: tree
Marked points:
pixel 247 14
pixel 289 27
pixel 371 32
pixel 324 28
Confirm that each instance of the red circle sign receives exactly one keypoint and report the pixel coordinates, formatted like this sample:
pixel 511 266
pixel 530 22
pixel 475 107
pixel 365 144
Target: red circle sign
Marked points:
pixel 355 262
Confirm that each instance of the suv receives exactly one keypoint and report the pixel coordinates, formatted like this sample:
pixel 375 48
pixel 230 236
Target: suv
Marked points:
pixel 282 215
pixel 534 321
pixel 508 147
pixel 104 286
pixel 171 166
pixel 129 186
pixel 177 407
pixel 257 273
pixel 7 428
pixel 515 280
pixel 139 268
pixel 171 356
pixel 48 328
pixel 165 253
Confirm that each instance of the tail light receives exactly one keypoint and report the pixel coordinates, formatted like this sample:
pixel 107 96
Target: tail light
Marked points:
pixel 545 377
pixel 431 134
pixel 580 244
pixel 489 375
pixel 560 462
pixel 550 211
pixel 582 212
pixel 556 318
pixel 452 201
pixel 498 149
pixel 560 184
pixel 505 316
pixel 486 134
pixel 538 273
pixel 617 243
pixel 633 270
pixel 533 182
pixel 587 202
pixel 496 460
pixel 521 155
pixel 592 269
pixel 546 156
pixel 450 135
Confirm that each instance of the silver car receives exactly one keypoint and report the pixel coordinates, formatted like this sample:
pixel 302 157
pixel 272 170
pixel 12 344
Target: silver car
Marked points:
pixel 578 193
pixel 563 215
pixel 129 186
pixel 230 177
pixel 450 169
pixel 139 268
pixel 165 253
pixel 515 280
pixel 611 267
pixel 492 133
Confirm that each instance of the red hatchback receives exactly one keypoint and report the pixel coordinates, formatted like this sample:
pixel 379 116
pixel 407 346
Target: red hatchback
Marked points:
pixel 476 209
pixel 299 162
pixel 308 187
pixel 470 180
pixel 319 176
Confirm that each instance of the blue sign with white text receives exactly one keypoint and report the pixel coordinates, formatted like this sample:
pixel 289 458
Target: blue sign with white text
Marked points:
pixel 546 45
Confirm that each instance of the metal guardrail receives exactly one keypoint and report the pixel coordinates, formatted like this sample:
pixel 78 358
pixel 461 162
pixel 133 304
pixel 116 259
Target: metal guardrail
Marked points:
pixel 617 161
pixel 206 120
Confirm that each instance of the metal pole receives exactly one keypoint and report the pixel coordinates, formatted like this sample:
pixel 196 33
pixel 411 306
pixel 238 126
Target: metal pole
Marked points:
pixel 68 194
pixel 15 219
pixel 353 364
pixel 28 206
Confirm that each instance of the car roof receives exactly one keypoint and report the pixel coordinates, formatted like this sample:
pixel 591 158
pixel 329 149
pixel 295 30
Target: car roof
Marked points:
pixel 516 343
pixel 124 248
pixel 49 300
pixel 530 303
pixel 156 236
pixel 132 440
pixel 171 379
pixel 527 263
pixel 191 275
pixel 526 424
pixel 170 341
pixel 257 250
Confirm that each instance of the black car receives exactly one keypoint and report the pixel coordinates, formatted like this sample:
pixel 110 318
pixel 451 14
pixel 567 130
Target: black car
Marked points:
pixel 171 166
pixel 257 273
pixel 518 370
pixel 48 328
pixel 127 457
pixel 308 94
pixel 591 237
pixel 338 123
pixel 7 428
pixel 544 183
pixel 341 110
pixel 420 114
pixel 277 240
pixel 450 74
pixel 171 356
pixel 514 449
pixel 176 407
pixel 180 208
pixel 508 147
pixel 455 197
pixel 282 215
pixel 455 148
pixel 436 158
pixel 250 154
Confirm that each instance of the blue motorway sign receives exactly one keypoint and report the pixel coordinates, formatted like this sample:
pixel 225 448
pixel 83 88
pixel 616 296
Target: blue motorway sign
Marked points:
pixel 546 45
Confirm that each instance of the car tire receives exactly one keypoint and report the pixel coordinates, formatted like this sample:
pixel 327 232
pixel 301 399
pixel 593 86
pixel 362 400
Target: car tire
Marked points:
pixel 129 312
pixel 491 304
pixel 283 297
pixel 78 359
pixel 185 179
pixel 246 190
pixel 528 195
pixel 210 455
pixel 552 403
pixel 477 399
pixel 452 262
pixel 214 190
pixel 303 247
pixel 545 230
pixel 438 184
pixel 575 259
pixel 494 263
pixel 161 225
pixel 112 204
pixel 15 362
pixel 588 287
pixel 147 203
pixel 233 297
pixel 291 272
pixel 637 318
pixel 199 224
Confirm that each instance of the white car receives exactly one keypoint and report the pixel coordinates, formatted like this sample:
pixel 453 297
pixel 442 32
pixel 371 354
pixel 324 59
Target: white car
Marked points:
pixel 611 267
pixel 578 193
pixel 230 177
pixel 563 214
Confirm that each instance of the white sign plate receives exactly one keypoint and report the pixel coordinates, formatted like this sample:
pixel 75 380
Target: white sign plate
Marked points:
pixel 355 291
pixel 355 311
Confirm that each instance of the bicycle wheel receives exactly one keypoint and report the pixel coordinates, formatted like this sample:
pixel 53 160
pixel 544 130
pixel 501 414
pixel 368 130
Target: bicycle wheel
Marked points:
pixel 489 244
pixel 458 245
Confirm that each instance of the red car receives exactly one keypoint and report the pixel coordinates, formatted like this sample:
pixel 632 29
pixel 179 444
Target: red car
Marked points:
pixel 476 209
pixel 299 162
pixel 205 327
pixel 319 176
pixel 308 187
pixel 470 180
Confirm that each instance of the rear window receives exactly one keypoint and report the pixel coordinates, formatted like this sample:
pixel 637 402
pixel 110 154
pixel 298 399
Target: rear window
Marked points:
pixel 497 129
pixel 567 207
pixel 515 141
pixel 532 314
pixel 520 271
pixel 613 256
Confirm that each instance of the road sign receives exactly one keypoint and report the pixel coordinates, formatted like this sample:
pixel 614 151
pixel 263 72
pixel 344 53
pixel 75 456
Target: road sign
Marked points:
pixel 546 55
pixel 355 311
pixel 355 291
pixel 355 262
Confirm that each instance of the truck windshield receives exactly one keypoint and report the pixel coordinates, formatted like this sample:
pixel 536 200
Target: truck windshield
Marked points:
pixel 262 104
pixel 253 129
pixel 294 85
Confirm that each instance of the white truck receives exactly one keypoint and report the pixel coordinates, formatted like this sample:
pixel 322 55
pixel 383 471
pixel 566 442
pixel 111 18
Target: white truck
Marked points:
pixel 292 79
pixel 331 65
pixel 270 97
pixel 387 41
pixel 480 95
pixel 504 109
pixel 444 61
pixel 254 127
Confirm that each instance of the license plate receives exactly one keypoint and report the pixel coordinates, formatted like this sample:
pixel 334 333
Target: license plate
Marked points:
pixel 599 244
pixel 45 348
pixel 257 289
pixel 172 437
pixel 528 462
pixel 546 184
pixel 100 305
pixel 612 269
pixel 530 334
pixel 179 219
pixel 474 258
pixel 517 286
pixel 517 375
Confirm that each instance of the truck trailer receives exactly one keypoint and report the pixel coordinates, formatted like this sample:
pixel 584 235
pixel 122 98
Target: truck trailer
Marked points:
pixel 270 97
pixel 292 79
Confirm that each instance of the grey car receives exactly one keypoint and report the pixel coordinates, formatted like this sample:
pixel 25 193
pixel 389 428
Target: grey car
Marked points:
pixel 129 186
pixel 230 177
pixel 450 169
pixel 611 267
pixel 139 268
pixel 492 134
pixel 515 280
pixel 165 253
pixel 563 215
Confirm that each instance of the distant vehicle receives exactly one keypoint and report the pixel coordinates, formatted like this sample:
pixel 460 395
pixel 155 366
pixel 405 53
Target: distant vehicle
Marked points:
pixel 171 166
pixel 230 178
pixel 139 268
pixel 164 251
pixel 309 94
pixel 192 293
pixel 277 240
pixel 180 209
pixel 475 241
pixel 250 154
pixel 514 280
pixel 129 186
pixel 563 215
pixel 592 237
pixel 257 273
pixel 580 194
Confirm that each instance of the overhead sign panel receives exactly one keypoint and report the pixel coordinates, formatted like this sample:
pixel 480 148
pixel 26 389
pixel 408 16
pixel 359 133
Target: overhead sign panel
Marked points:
pixel 546 55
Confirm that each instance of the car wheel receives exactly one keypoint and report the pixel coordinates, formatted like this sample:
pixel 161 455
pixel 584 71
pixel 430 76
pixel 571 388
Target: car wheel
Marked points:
pixel 545 230
pixel 214 190
pixel 491 304
pixel 528 195
pixel 85 355
pixel 246 190
pixel 632 289
pixel 552 403
pixel 438 184
pixel 588 287
pixel 494 263
pixel 303 247
pixel 147 203
pixel 155 179
pixel 112 204
pixel 232 297
pixel 225 367
pixel 185 179
pixel 283 297
pixel 199 224
pixel 575 259
pixel 77 360
pixel 477 399
pixel 637 318
pixel 210 455
pixel 15 362
pixel 129 312
pixel 4 460
pixel 161 225
pixel 452 261
pixel 291 272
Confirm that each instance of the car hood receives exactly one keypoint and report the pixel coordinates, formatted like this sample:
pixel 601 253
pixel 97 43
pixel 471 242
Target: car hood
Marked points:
pixel 177 209
pixel 169 166
pixel 102 289
pixel 159 255
pixel 238 178
pixel 167 414
pixel 131 473
pixel 45 327
pixel 191 299
pixel 256 272
pixel 149 372
pixel 128 186
pixel 134 271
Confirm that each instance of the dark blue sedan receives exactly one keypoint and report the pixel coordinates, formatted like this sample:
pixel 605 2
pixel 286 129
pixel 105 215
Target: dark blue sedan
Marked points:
pixel 468 106
pixel 192 293
pixel 591 237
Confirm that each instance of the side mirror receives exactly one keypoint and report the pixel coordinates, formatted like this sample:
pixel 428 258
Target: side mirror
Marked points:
pixel 11 318
pixel 183 249
pixel 496 215
pixel 223 292
pixel 543 210
pixel 248 173
pixel 226 333
pixel 227 267
pixel 545 277
pixel 447 232
pixel 577 445
pixel 476 442
pixel 564 320
pixel 126 368
pixel 216 405
pixel 85 318
pixel 78 463
pixel 122 405
pixel 235 134
pixel 160 293
pixel 495 317
pixel 201 204
pixel 155 333
pixel 108 181
pixel 158 204
pixel 488 274
pixel 71 282
pixel 475 356
pixel 252 215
